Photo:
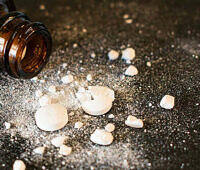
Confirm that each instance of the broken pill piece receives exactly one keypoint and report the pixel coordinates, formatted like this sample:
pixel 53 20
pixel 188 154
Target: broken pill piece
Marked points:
pixel 58 141
pixel 51 117
pixel 110 127
pixel 132 121
pixel 101 137
pixel 113 55
pixel 65 150
pixel 167 102
pixel 131 71
pixel 128 54
pixel 39 150
pixel 67 79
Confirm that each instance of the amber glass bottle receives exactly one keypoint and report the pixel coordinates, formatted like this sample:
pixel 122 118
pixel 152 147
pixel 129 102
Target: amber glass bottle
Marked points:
pixel 25 46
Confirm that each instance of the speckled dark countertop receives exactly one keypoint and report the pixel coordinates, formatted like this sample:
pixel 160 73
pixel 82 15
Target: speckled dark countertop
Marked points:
pixel 166 33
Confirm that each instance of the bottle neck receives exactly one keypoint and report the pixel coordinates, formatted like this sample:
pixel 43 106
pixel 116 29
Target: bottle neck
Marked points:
pixel 25 46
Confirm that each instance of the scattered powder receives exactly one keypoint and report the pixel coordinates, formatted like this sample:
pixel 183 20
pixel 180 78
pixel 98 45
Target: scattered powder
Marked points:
pixel 132 121
pixel 131 71
pixel 52 89
pixel 51 117
pixel 110 127
pixel 101 137
pixel 113 55
pixel 19 165
pixel 167 102
pixel 65 150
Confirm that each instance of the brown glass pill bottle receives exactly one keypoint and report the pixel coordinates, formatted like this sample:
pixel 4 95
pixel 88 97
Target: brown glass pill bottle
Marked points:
pixel 25 46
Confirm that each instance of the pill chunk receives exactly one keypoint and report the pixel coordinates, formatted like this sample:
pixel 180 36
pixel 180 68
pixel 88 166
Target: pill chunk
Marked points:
pixel 19 165
pixel 101 137
pixel 110 127
pixel 65 150
pixel 128 54
pixel 113 55
pixel 131 71
pixel 58 141
pixel 52 89
pixel 39 150
pixel 167 102
pixel 78 125
pixel 7 125
pixel 51 117
pixel 132 121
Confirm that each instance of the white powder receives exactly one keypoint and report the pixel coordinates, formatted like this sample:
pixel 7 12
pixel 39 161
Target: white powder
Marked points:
pixel 58 141
pixel 78 125
pixel 19 165
pixel 39 150
pixel 7 125
pixel 67 79
pixel 65 150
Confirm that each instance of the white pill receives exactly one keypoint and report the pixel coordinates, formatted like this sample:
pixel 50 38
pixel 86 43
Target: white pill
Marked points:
pixel 128 21
pixel 113 55
pixel 98 106
pixel 128 54
pixel 78 125
pixel 93 55
pixel 51 117
pixel 110 127
pixel 167 102
pixel 58 141
pixel 67 79
pixel 131 71
pixel 45 100
pixel 101 91
pixel 39 150
pixel 65 150
pixel 19 165
pixel 148 64
pixel 101 137
pixel 132 121
pixel 111 116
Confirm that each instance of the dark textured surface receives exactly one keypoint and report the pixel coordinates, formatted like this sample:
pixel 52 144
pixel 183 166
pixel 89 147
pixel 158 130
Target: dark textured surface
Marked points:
pixel 167 33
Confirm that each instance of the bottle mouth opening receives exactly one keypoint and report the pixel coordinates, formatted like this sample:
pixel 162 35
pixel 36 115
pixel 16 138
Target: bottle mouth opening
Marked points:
pixel 33 54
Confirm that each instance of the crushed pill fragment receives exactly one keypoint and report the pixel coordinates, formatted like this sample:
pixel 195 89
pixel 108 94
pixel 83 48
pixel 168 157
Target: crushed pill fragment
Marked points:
pixel 39 150
pixel 7 125
pixel 19 165
pixel 58 141
pixel 132 121
pixel 148 64
pixel 38 93
pixel 167 102
pixel 45 100
pixel 110 127
pixel 128 54
pixel 111 116
pixel 51 117
pixel 128 21
pixel 93 55
pixel 125 16
pixel 89 77
pixel 67 79
pixel 78 125
pixel 113 55
pixel 65 150
pixel 131 71
pixel 101 137
pixel 52 89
